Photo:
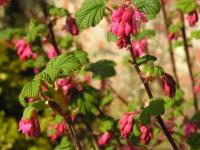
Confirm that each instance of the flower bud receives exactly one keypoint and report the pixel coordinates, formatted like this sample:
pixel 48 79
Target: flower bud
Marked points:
pixel 192 18
pixel 169 85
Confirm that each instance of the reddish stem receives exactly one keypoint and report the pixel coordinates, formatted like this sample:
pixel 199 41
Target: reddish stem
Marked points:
pixel 186 49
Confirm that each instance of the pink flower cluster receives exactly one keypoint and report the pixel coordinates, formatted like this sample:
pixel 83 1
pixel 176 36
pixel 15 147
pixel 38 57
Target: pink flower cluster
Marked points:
pixel 24 50
pixel 192 18
pixel 126 124
pixel 139 47
pixel 146 134
pixel 60 128
pixel 30 127
pixel 190 128
pixel 51 53
pixel 169 85
pixel 65 85
pixel 3 2
pixel 105 138
pixel 126 21
pixel 71 25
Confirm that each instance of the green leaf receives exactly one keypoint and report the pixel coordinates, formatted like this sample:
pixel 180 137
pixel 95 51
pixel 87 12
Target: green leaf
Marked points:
pixel 145 116
pixel 174 28
pixel 106 125
pixel 151 70
pixel 156 106
pixel 35 29
pixel 145 59
pixel 62 66
pixel 150 7
pixel 144 33
pixel 136 129
pixel 90 13
pixel 58 119
pixel 102 69
pixel 111 37
pixel 196 116
pixel 186 6
pixel 106 100
pixel 65 144
pixel 44 77
pixel 28 112
pixel 195 34
pixel 53 11
pixel 38 105
pixel 82 56
pixel 31 89
pixel 194 141
pixel 177 43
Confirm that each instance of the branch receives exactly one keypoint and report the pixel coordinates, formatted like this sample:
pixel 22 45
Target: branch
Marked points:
pixel 148 91
pixel 188 61
pixel 50 26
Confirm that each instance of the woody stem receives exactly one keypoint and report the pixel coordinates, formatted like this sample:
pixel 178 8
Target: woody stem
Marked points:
pixel 148 91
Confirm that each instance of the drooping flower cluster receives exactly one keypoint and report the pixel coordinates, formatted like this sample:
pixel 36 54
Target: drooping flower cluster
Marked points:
pixel 126 124
pixel 146 134
pixel 169 85
pixel 3 2
pixel 71 26
pixel 105 138
pixel 65 85
pixel 192 18
pixel 126 21
pixel 139 47
pixel 24 50
pixel 59 130
pixel 30 127
pixel 190 128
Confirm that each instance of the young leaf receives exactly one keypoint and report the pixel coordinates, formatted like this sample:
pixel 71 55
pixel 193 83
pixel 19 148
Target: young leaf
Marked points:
pixel 145 59
pixel 31 89
pixel 173 28
pixel 153 70
pixel 65 144
pixel 90 13
pixel 38 105
pixel 53 11
pixel 150 7
pixel 106 125
pixel 103 68
pixel 156 107
pixel 82 56
pixel 186 6
pixel 28 112
pixel 144 33
pixel 145 116
pixel 196 34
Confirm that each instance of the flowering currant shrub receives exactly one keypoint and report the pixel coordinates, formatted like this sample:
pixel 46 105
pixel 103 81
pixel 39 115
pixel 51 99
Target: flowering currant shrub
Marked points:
pixel 69 98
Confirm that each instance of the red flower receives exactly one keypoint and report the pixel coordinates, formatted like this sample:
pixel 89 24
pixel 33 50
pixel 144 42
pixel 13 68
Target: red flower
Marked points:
pixel 196 89
pixel 4 2
pixel 30 127
pixel 190 128
pixel 126 21
pixel 146 134
pixel 139 47
pixel 169 85
pixel 126 124
pixel 192 18
pixel 104 139
pixel 72 26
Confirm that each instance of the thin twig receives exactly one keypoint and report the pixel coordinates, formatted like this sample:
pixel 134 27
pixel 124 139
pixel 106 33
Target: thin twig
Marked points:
pixel 188 61
pixel 148 91
pixel 50 26
pixel 170 43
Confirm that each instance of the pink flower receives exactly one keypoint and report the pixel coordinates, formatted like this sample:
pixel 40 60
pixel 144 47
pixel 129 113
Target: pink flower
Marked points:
pixel 126 21
pixel 104 139
pixel 146 134
pixel 30 127
pixel 171 36
pixel 192 18
pixel 58 130
pixel 139 47
pixel 87 79
pixel 51 53
pixel 71 26
pixel 126 124
pixel 196 89
pixel 169 85
pixel 190 128
pixel 24 50
pixel 4 2
pixel 64 84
